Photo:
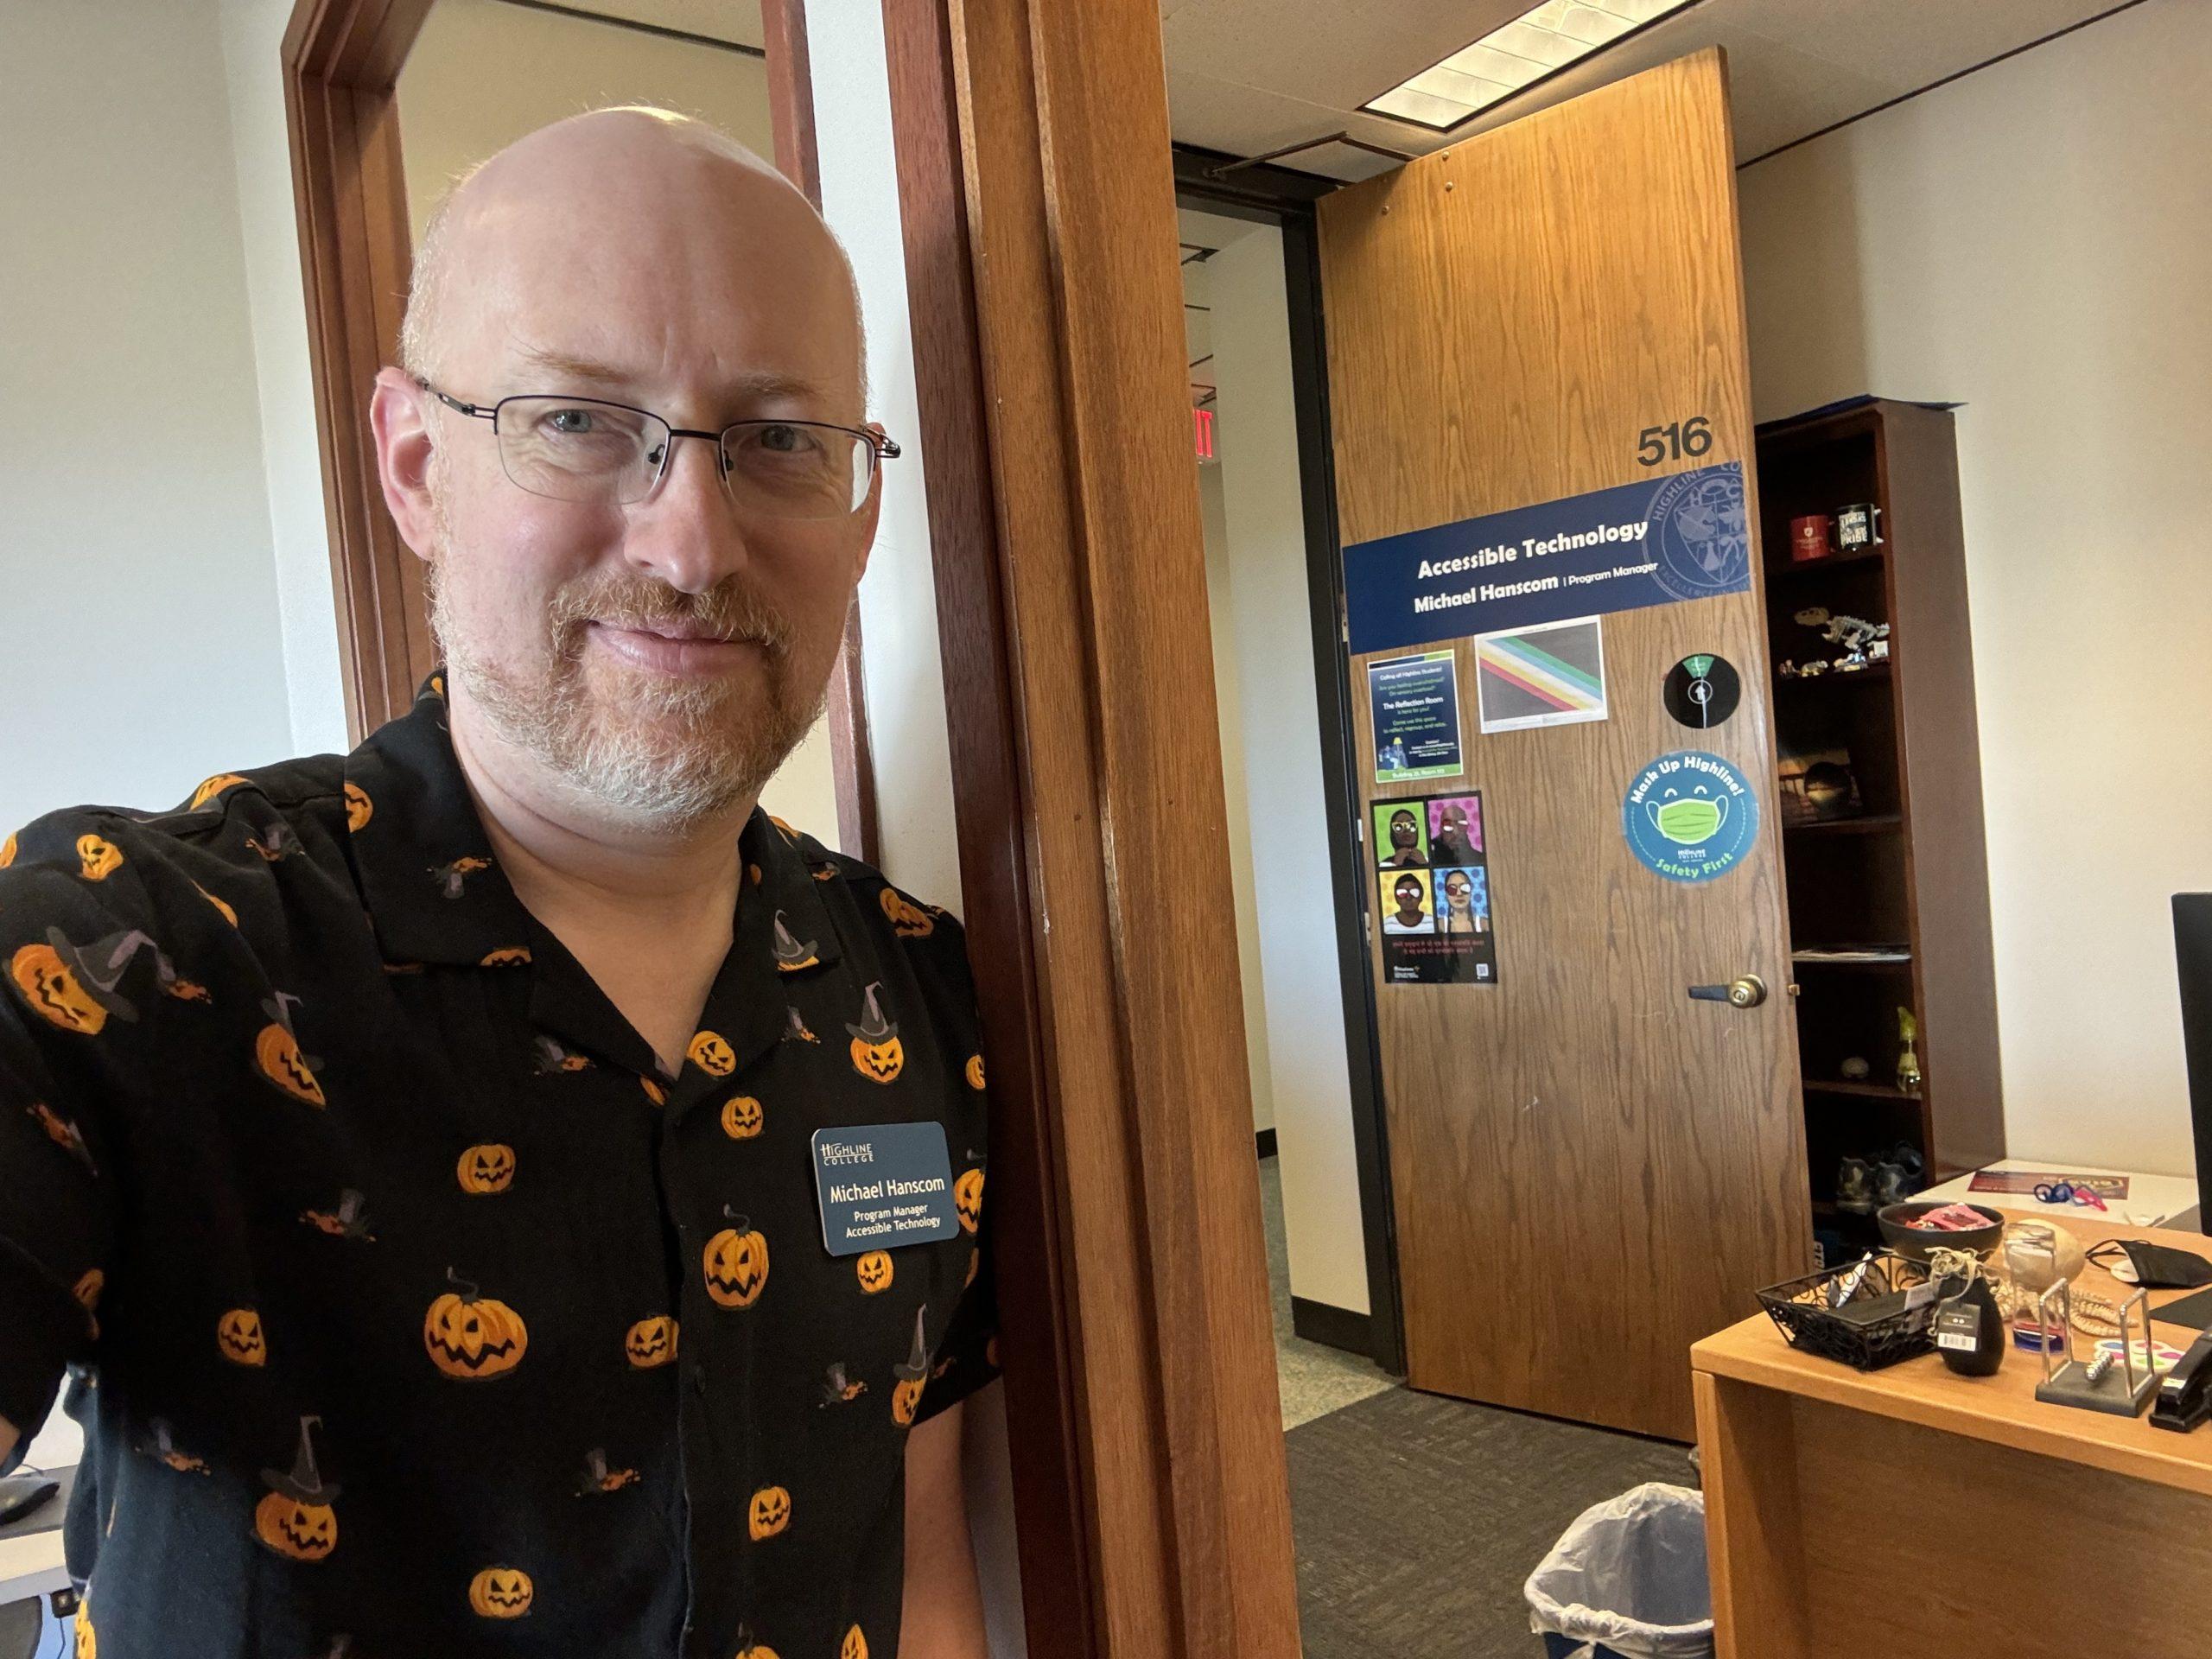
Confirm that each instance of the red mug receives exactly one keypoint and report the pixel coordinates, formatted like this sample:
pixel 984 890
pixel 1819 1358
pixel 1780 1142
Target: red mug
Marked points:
pixel 1808 538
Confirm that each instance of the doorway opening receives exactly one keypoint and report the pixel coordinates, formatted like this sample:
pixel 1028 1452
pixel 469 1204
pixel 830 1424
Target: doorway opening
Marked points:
pixel 1414 1512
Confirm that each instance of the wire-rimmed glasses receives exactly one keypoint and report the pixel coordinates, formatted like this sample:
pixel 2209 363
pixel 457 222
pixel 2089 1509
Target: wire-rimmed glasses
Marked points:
pixel 589 450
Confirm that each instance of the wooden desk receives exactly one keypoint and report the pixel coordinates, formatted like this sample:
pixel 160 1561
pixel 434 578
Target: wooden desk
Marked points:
pixel 1850 1514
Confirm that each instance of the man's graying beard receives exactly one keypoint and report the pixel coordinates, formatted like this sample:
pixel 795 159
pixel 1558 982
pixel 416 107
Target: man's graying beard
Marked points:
pixel 665 752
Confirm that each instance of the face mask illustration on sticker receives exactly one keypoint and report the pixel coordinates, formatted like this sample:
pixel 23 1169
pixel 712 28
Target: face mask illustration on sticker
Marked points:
pixel 1687 820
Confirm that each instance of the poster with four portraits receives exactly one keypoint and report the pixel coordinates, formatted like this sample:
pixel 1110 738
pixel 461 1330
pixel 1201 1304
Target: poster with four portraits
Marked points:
pixel 1432 884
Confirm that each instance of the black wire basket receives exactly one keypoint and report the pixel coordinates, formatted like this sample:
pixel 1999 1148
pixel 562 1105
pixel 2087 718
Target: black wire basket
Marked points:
pixel 1886 1319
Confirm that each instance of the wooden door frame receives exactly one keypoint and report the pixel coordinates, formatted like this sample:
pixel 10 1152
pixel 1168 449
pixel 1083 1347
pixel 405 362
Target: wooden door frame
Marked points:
pixel 1038 208
pixel 1037 201
pixel 1285 198
pixel 341 63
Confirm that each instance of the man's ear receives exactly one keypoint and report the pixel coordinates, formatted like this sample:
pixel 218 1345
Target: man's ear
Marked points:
pixel 399 417
pixel 871 513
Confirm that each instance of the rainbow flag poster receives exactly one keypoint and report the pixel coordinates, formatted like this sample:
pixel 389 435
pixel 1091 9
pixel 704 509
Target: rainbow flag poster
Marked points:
pixel 1551 674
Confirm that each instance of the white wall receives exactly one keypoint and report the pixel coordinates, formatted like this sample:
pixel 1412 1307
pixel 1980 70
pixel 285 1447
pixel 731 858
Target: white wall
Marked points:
pixel 252 34
pixel 1266 606
pixel 452 115
pixel 138 605
pixel 1221 612
pixel 905 681
pixel 2035 241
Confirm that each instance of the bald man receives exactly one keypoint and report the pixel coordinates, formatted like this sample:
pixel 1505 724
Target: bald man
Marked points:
pixel 499 1192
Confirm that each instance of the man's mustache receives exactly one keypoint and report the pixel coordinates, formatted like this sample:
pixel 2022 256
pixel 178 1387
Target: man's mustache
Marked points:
pixel 731 609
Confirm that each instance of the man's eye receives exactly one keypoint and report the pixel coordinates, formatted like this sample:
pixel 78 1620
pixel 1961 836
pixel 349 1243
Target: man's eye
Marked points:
pixel 571 422
pixel 784 439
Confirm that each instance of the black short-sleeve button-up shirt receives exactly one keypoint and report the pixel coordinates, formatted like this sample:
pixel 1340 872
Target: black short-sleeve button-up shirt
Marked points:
pixel 423 1312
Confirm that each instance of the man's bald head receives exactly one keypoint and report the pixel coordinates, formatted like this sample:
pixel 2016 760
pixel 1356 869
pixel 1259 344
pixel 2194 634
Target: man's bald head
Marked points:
pixel 599 178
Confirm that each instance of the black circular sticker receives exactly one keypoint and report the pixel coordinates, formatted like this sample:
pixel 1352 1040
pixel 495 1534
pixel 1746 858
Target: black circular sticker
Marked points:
pixel 1702 692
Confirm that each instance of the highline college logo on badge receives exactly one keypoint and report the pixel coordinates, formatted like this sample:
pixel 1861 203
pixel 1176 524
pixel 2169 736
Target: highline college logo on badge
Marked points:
pixel 1705 540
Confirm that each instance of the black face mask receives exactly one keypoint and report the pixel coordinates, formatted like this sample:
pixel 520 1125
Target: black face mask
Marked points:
pixel 2154 1267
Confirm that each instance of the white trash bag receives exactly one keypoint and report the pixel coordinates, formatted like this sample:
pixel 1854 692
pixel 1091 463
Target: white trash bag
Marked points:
pixel 1630 1573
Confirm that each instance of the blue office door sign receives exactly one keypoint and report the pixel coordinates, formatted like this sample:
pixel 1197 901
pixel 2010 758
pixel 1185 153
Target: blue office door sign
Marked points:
pixel 1690 817
pixel 1658 541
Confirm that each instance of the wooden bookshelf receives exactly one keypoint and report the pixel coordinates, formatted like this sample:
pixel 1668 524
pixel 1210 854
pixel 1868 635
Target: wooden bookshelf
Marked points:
pixel 1901 862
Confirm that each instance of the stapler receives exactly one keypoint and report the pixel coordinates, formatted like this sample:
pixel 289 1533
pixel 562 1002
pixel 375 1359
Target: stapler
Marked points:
pixel 2185 1393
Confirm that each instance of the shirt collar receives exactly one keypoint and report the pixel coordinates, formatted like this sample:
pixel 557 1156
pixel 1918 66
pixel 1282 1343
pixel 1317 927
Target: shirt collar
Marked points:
pixel 435 895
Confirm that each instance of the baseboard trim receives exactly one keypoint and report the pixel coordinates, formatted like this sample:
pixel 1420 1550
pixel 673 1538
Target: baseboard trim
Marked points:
pixel 1264 1140
pixel 1334 1327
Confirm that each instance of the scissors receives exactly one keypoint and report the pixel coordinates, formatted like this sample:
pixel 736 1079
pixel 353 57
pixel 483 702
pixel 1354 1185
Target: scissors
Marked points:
pixel 2067 1193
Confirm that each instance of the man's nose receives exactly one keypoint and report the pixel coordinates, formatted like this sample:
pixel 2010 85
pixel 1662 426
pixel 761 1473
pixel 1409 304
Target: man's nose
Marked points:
pixel 687 532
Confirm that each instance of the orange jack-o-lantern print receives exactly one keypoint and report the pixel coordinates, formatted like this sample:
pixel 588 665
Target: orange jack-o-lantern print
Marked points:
pixel 507 955
pixel 768 1514
pixel 486 1168
pixel 968 1199
pixel 88 1646
pixel 877 1054
pixel 874 1271
pixel 87 1290
pixel 854 1646
pixel 73 986
pixel 711 1054
pixel 501 1592
pixel 276 1054
pixel 96 859
pixel 742 1117
pixel 359 809
pixel 736 1265
pixel 473 1337
pixel 238 1338
pixel 975 1263
pixel 748 1648
pixel 912 1376
pixel 654 1092
pixel 651 1343
pixel 974 1071
pixel 210 788
pixel 297 1519
pixel 908 919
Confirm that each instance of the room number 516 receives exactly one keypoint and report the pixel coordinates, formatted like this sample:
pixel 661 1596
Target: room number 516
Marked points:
pixel 1674 440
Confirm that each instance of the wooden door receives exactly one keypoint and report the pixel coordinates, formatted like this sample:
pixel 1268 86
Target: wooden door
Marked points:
pixel 1590 1168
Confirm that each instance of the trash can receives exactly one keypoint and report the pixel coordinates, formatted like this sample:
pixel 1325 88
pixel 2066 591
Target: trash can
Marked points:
pixel 1627 1580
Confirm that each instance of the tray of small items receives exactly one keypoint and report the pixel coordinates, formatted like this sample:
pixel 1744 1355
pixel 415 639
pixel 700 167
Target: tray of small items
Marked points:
pixel 1868 1313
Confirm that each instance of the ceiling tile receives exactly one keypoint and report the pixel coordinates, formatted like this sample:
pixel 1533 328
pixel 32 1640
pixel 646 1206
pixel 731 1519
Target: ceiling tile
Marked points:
pixel 1327 53
pixel 1246 121
pixel 1245 76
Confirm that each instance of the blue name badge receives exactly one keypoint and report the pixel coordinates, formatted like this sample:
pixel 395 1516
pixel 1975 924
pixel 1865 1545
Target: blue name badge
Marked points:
pixel 880 1186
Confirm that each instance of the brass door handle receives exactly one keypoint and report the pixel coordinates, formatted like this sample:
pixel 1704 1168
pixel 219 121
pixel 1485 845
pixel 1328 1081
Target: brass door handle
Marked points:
pixel 1745 991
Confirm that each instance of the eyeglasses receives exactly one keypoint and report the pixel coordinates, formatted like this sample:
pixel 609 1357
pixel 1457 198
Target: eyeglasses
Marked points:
pixel 610 455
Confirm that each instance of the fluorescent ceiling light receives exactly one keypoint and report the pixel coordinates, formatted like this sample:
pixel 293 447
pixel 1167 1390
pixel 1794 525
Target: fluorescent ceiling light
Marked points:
pixel 1539 41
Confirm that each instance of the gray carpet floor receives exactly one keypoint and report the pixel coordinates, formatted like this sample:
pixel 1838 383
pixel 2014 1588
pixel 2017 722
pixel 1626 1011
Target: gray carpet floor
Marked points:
pixel 1417 1520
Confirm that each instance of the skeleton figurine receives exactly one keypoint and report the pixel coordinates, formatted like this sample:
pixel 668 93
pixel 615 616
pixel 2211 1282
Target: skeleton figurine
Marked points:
pixel 1851 632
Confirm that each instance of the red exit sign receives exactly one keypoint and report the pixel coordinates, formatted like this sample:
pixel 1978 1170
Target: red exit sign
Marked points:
pixel 1202 432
